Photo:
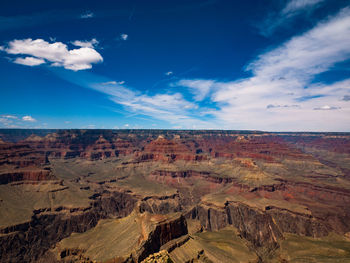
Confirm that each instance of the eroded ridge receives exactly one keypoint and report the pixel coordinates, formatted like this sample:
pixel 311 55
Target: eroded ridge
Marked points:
pixel 179 196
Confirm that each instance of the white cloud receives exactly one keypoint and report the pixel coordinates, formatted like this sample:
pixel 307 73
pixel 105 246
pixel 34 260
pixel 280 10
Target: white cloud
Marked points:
pixel 2 48
pixel 282 78
pixel 124 37
pixel 57 53
pixel 91 44
pixel 87 14
pixel 28 118
pixel 169 73
pixel 29 61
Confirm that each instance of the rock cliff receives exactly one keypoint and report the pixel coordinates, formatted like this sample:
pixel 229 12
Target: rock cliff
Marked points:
pixel 62 185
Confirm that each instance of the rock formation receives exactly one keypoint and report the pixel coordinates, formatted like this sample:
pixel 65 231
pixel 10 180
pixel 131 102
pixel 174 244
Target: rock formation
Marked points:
pixel 201 196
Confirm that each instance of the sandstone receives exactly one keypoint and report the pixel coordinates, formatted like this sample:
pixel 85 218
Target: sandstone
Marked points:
pixel 210 195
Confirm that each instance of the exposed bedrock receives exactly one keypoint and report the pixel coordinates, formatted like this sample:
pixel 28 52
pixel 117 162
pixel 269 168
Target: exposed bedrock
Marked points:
pixel 26 175
pixel 254 225
pixel 161 205
pixel 300 224
pixel 158 174
pixel 21 155
pixel 328 205
pixel 163 233
pixel 304 188
pixel 64 145
pixel 29 241
pixel 263 229
pixel 328 195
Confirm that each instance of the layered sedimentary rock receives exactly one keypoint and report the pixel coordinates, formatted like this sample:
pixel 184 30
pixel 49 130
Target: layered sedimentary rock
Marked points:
pixel 252 190
pixel 30 240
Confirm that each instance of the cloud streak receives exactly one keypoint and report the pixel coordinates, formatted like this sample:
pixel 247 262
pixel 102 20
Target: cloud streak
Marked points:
pixel 87 14
pixel 168 106
pixel 295 6
pixel 270 98
pixel 292 9
pixel 326 107
pixel 198 87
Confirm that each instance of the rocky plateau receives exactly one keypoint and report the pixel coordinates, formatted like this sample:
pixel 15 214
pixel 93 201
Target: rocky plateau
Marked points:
pixel 174 196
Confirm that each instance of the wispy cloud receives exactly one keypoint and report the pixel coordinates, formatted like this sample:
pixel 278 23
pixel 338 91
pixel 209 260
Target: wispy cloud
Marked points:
pixel 15 121
pixel 57 53
pixel 309 54
pixel 295 6
pixel 271 106
pixel 6 121
pixel 87 14
pixel 199 87
pixel 290 10
pixel 113 82
pixel 171 107
pixel 281 76
pixel 9 116
pixel 28 118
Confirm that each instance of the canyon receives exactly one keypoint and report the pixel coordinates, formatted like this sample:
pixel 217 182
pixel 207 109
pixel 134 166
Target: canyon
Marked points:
pixel 174 196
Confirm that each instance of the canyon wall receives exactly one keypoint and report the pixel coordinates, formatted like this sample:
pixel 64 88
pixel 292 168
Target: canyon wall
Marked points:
pixel 264 185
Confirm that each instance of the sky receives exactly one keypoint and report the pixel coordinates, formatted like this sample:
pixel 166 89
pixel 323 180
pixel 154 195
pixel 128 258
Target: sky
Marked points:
pixel 196 64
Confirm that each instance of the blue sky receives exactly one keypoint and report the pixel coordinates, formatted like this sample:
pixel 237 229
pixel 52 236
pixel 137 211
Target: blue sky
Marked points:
pixel 200 64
